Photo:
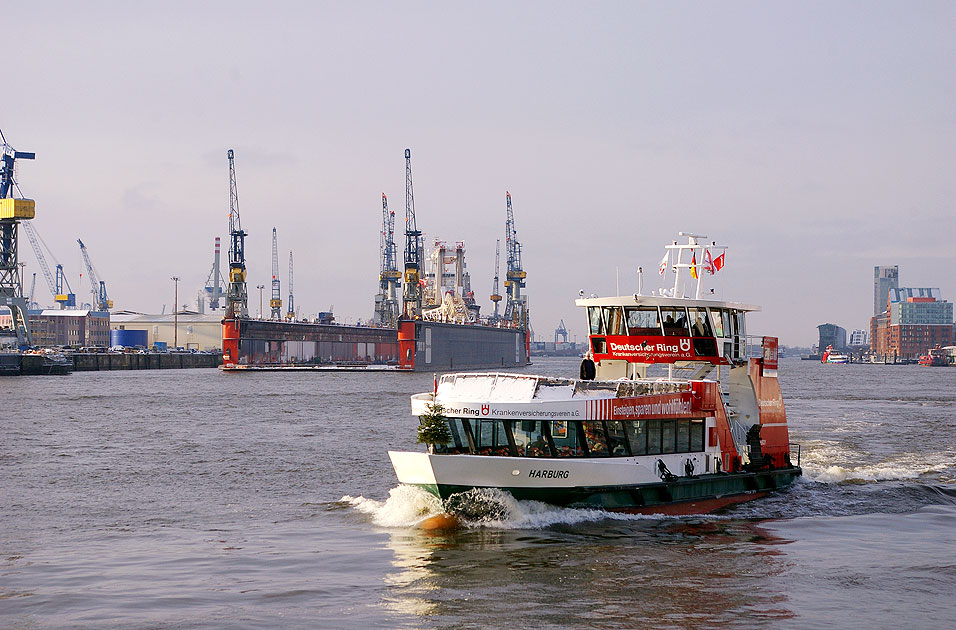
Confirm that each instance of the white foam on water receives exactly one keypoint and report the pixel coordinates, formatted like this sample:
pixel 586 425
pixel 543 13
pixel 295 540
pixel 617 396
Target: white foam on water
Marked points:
pixel 407 506
pixel 881 471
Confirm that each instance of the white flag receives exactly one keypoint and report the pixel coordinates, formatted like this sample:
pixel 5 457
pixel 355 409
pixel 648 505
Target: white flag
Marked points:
pixel 663 265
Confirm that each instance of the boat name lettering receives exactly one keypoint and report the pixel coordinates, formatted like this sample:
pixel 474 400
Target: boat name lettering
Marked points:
pixel 548 474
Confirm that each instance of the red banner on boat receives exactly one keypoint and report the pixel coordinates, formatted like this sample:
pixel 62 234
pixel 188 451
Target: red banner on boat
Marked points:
pixel 650 349
pixel 679 405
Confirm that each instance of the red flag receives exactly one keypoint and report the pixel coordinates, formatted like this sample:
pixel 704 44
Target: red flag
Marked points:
pixel 719 263
pixel 708 263
pixel 693 265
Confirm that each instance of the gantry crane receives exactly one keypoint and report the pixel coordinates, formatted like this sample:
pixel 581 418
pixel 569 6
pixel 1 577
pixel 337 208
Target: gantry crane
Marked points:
pixel 495 294
pixel 237 297
pixel 561 331
pixel 98 288
pixel 59 285
pixel 275 303
pixel 290 314
pixel 516 309
pixel 12 213
pixel 413 248
pixel 389 277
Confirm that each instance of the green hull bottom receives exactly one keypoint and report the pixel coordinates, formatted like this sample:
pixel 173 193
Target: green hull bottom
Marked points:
pixel 685 495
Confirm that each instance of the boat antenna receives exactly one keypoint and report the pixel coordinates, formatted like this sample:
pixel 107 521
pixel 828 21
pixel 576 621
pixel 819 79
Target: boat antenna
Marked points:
pixel 640 280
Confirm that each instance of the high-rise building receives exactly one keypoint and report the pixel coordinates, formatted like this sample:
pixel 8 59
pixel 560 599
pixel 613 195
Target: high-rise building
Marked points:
pixel 884 279
pixel 832 335
pixel 917 319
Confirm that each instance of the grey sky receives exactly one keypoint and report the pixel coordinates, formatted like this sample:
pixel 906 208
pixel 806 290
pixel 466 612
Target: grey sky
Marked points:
pixel 815 139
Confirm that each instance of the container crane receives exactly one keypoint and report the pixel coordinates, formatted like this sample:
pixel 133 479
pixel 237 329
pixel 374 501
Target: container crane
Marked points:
pixel 237 297
pixel 561 331
pixel 290 314
pixel 97 286
pixel 495 293
pixel 413 248
pixel 516 307
pixel 389 277
pixel 12 213
pixel 275 303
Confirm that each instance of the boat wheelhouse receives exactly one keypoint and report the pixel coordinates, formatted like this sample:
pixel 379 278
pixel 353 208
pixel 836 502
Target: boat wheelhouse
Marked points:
pixel 672 413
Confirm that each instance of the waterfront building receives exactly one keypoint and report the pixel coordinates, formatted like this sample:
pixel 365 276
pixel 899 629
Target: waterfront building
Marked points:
pixel 859 338
pixel 884 279
pixel 914 320
pixel 832 335
pixel 68 327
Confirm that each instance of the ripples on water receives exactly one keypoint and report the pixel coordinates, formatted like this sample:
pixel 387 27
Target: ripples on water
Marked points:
pixel 197 499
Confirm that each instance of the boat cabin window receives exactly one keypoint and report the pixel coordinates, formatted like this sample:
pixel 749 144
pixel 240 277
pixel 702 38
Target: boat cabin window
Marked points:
pixel 699 323
pixel 490 437
pixel 575 438
pixel 704 344
pixel 675 321
pixel 531 439
pixel 596 440
pixel 459 438
pixel 595 320
pixel 643 320
pixel 614 320
pixel 565 437
pixel 715 318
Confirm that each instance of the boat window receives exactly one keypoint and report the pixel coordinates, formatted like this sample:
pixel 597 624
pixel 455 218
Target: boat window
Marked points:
pixel 595 320
pixel 699 324
pixel 594 434
pixel 696 435
pixel 637 436
pixel 675 321
pixel 530 440
pixel 490 437
pixel 459 439
pixel 616 442
pixel 718 324
pixel 598 345
pixel 740 326
pixel 643 320
pixel 683 436
pixel 668 434
pixel 653 437
pixel 614 320
pixel 564 435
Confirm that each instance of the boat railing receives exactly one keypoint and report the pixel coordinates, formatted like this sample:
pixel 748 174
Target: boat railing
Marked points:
pixel 795 447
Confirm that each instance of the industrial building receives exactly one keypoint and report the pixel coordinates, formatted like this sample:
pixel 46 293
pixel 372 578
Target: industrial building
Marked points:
pixel 56 327
pixel 913 321
pixel 190 330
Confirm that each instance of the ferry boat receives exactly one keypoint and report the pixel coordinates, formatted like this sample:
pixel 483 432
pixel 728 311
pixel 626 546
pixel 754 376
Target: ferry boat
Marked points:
pixel 832 356
pixel 934 357
pixel 671 414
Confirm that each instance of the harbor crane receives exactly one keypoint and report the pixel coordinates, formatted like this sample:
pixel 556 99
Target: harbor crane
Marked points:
pixel 237 297
pixel 561 331
pixel 495 293
pixel 413 248
pixel 100 300
pixel 516 308
pixel 33 287
pixel 58 284
pixel 389 277
pixel 290 314
pixel 215 282
pixel 275 303
pixel 13 211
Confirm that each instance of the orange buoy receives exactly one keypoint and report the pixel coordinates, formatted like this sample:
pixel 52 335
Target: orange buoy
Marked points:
pixel 444 521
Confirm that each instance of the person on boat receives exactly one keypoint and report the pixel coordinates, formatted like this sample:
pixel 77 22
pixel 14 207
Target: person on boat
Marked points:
pixel 538 448
pixel 699 329
pixel 587 367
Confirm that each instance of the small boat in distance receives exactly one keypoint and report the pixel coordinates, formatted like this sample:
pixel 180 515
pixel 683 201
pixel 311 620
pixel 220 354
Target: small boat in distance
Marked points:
pixel 671 414
pixel 934 357
pixel 832 356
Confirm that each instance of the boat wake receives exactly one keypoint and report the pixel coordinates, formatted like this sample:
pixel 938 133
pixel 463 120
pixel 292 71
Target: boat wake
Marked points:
pixel 408 506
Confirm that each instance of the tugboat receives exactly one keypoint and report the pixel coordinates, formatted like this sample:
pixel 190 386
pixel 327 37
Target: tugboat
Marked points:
pixel 671 414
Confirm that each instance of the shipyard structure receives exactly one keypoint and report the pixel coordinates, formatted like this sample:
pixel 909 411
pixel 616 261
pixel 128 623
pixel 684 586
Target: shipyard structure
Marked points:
pixel 425 317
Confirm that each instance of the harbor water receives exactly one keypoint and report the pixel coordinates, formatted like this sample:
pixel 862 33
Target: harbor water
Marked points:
pixel 196 499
